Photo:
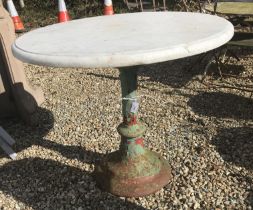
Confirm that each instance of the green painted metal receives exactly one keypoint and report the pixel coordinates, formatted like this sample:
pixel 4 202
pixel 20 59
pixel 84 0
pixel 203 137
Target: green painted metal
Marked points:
pixel 131 129
pixel 125 177
pixel 231 8
pixel 132 171
pixel 128 79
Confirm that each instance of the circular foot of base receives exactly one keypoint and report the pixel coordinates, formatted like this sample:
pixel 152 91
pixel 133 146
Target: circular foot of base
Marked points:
pixel 136 177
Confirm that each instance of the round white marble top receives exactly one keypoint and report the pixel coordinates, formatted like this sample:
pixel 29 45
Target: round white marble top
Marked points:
pixel 123 40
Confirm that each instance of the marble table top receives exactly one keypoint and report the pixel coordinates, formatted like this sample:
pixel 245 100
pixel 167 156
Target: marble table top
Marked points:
pixel 123 40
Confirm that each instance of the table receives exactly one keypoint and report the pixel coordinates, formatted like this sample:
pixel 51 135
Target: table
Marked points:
pixel 126 41
pixel 232 8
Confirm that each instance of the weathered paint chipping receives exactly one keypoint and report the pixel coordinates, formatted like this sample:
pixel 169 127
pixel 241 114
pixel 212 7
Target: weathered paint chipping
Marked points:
pixel 132 171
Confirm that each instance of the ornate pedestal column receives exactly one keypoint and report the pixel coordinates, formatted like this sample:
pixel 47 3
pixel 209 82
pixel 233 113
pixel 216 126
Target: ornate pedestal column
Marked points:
pixel 133 170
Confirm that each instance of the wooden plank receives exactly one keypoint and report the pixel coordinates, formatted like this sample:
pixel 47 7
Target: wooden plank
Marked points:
pixel 232 8
pixel 242 43
pixel 6 137
pixel 242 39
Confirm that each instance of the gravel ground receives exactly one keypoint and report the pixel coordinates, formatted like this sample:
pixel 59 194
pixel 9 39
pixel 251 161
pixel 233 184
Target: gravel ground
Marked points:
pixel 203 128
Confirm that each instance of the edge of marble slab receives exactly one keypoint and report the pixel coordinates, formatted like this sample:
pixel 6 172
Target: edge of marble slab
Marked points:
pixel 128 58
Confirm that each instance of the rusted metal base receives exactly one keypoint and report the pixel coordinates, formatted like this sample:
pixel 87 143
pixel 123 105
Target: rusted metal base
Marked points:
pixel 137 177
pixel 133 171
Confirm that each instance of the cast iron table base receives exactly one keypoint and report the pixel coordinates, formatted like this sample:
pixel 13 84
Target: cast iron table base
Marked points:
pixel 132 171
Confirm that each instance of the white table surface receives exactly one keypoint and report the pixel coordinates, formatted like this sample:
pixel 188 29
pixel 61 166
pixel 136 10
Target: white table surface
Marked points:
pixel 123 40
